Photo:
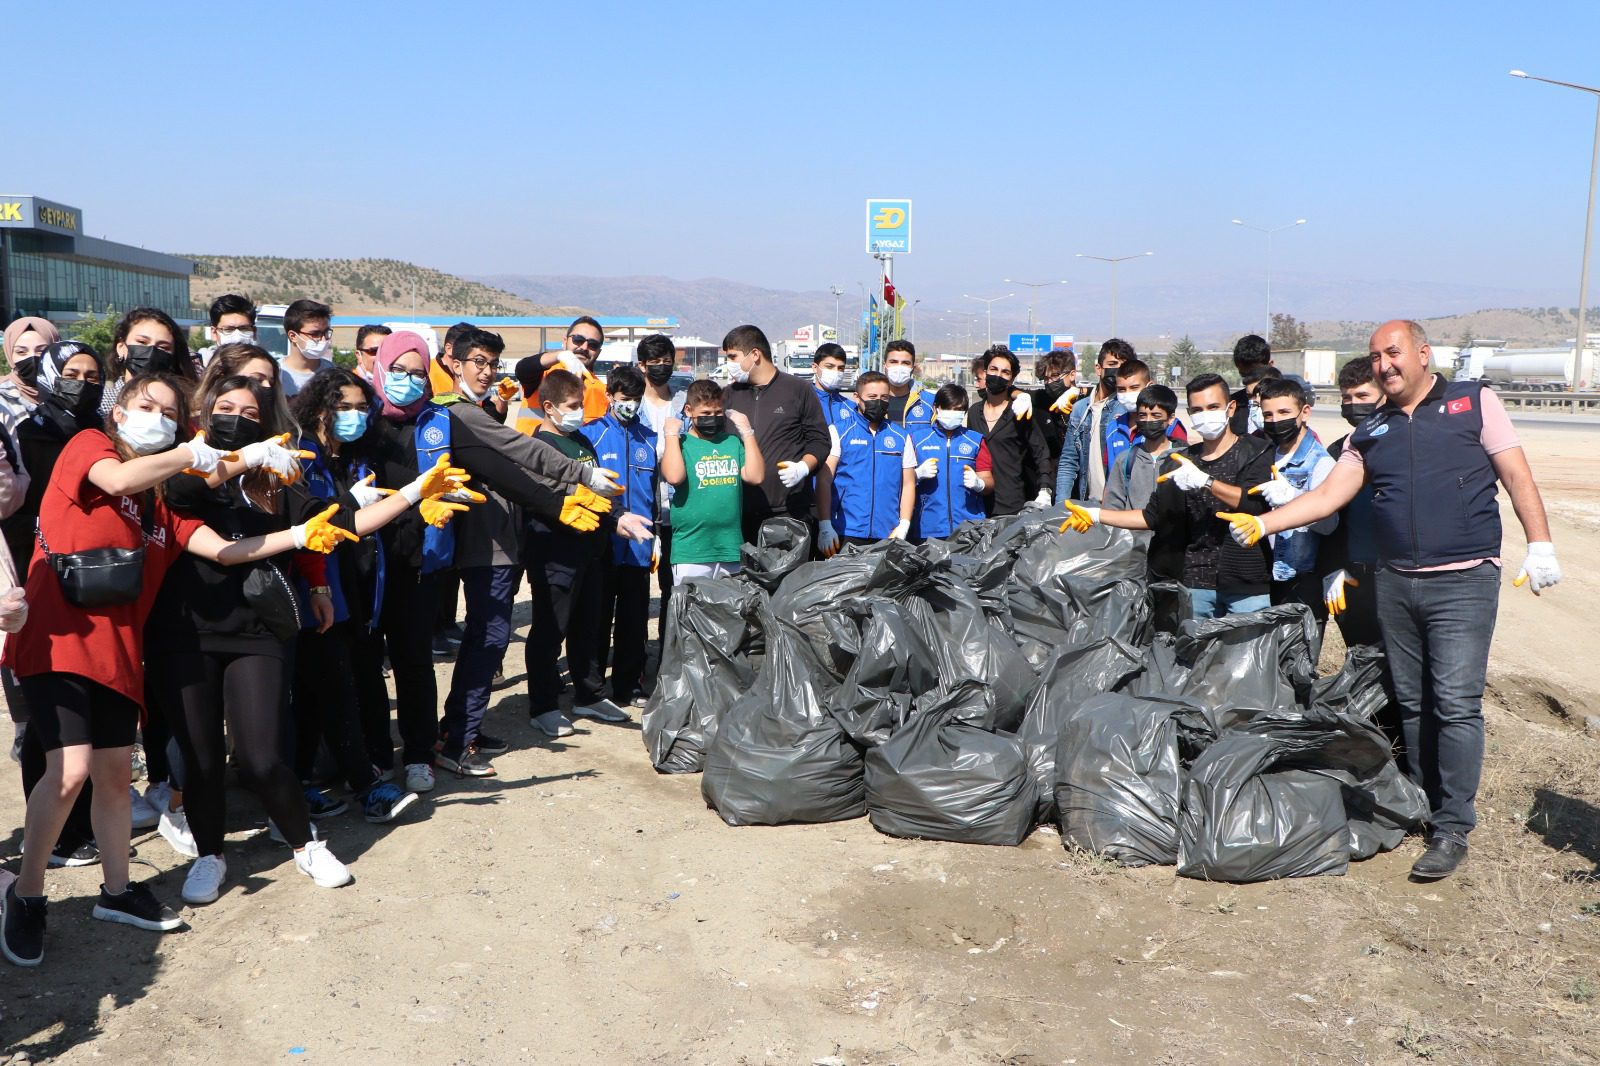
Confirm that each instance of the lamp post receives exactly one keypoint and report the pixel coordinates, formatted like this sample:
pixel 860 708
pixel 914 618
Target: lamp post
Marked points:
pixel 914 304
pixel 967 317
pixel 1588 218
pixel 1269 233
pixel 1032 285
pixel 837 292
pixel 989 302
pixel 1113 260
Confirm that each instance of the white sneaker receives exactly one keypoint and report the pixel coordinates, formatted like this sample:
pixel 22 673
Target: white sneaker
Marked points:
pixel 205 879
pixel 175 831
pixel 144 815
pixel 419 777
pixel 317 862
pixel 601 710
pixel 551 724
pixel 159 796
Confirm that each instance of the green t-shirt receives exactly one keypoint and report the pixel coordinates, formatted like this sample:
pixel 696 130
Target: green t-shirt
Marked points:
pixel 708 507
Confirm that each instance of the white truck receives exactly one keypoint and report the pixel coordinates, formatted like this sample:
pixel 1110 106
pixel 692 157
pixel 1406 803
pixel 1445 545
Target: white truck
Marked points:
pixel 1535 369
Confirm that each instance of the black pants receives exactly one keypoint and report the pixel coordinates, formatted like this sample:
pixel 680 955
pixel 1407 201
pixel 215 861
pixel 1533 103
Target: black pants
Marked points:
pixel 623 633
pixel 246 691
pixel 78 830
pixel 1306 589
pixel 447 598
pixel 663 572
pixel 1358 622
pixel 325 707
pixel 566 607
pixel 405 628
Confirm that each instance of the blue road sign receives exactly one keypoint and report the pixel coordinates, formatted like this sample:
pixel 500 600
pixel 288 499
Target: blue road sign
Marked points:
pixel 1029 343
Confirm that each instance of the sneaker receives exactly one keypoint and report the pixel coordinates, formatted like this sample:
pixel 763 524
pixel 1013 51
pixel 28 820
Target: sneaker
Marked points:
pixel 468 762
pixel 383 775
pixel 136 906
pixel 159 796
pixel 640 702
pixel 455 633
pixel 602 711
pixel 320 805
pixel 317 862
pixel 22 938
pixel 384 802
pixel 174 830
pixel 498 680
pixel 144 815
pixel 64 854
pixel 1445 852
pixel 204 882
pixel 442 648
pixel 489 745
pixel 551 724
pixel 419 777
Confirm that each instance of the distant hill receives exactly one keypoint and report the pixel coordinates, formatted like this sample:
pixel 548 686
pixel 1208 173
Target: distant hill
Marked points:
pixel 1519 327
pixel 354 286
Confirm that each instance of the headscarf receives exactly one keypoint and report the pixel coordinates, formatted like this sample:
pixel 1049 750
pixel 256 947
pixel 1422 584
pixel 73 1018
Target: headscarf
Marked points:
pixel 391 348
pixel 51 363
pixel 14 332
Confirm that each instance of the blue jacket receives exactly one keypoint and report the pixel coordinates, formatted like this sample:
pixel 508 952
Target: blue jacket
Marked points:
pixel 432 439
pixel 629 449
pixel 320 483
pixel 834 406
pixel 943 501
pixel 866 486
pixel 1294 551
pixel 1072 471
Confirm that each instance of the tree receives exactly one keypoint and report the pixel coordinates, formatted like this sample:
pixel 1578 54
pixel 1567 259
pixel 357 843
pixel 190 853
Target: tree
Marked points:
pixel 1189 362
pixel 1465 340
pixel 1288 334
pixel 97 331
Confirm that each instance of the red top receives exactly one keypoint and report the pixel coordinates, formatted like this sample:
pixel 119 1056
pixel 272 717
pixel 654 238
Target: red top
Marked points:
pixel 103 644
pixel 984 460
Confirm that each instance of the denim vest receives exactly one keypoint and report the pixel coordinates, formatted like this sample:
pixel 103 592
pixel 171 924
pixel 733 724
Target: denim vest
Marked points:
pixel 1294 551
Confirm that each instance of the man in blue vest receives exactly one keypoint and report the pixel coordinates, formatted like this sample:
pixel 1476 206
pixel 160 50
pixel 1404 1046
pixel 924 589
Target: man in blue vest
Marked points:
pixel 950 468
pixel 870 487
pixel 828 364
pixel 1433 452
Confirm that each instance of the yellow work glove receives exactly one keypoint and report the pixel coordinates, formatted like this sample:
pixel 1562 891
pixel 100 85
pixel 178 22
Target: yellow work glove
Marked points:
pixel 1079 519
pixel 321 535
pixel 437 512
pixel 1247 529
pixel 577 515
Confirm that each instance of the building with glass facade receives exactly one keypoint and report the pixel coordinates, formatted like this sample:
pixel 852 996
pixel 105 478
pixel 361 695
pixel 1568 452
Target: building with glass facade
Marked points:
pixel 49 268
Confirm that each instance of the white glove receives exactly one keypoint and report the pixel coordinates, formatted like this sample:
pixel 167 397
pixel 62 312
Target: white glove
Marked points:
pixel 365 493
pixel 274 457
pixel 13 610
pixel 1041 501
pixel 1276 492
pixel 573 365
pixel 970 479
pixel 1540 569
pixel 1189 477
pixel 635 527
pixel 602 482
pixel 827 540
pixel 928 468
pixel 203 457
pixel 791 474
pixel 1022 406
pixel 1333 587
pixel 901 529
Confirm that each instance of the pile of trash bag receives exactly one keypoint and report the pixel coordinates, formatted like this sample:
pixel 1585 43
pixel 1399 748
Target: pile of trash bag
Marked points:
pixel 974 688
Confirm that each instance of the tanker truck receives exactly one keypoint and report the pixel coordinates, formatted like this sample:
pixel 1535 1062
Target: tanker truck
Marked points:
pixel 1539 369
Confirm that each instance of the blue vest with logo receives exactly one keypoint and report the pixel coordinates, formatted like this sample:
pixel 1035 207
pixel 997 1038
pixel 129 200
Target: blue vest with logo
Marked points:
pixel 433 440
pixel 943 501
pixel 628 449
pixel 319 482
pixel 919 408
pixel 834 406
pixel 1433 485
pixel 866 487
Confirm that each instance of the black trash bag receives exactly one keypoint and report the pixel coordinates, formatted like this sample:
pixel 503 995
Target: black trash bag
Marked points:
pixel 1169 606
pixel 778 756
pixel 1292 795
pixel 782 544
pixel 950 618
pixel 711 631
pixel 1119 776
pixel 1071 678
pixel 893 665
pixel 1358 688
pixel 1249 664
pixel 944 776
pixel 811 595
pixel 1069 590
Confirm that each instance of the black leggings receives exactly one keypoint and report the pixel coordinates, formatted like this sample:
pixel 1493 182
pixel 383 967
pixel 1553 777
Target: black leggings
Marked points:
pixel 205 688
pixel 406 627
pixel 326 708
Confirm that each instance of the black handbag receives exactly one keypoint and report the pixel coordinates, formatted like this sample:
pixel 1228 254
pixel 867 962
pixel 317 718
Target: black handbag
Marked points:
pixel 102 577
pixel 273 600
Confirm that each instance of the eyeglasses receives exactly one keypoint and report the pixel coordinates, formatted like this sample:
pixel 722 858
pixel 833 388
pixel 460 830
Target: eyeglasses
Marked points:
pixel 372 351
pixel 418 375
pixel 591 343
pixel 314 334
pixel 481 362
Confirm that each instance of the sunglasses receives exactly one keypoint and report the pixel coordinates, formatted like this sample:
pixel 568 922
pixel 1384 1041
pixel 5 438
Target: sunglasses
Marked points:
pixel 584 342
pixel 373 351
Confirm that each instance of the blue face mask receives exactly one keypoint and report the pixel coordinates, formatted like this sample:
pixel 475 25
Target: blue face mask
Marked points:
pixel 349 425
pixel 401 388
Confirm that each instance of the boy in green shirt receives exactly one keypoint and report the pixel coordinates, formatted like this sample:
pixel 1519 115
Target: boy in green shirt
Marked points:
pixel 706 468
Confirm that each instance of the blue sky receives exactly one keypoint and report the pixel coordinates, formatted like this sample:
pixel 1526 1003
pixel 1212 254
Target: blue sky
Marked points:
pixel 739 140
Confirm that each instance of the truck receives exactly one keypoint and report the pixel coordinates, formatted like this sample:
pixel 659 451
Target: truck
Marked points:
pixel 1537 369
pixel 1316 365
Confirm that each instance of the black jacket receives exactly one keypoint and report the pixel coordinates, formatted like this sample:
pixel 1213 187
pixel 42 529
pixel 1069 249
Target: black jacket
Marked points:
pixel 1017 451
pixel 1192 544
pixel 788 423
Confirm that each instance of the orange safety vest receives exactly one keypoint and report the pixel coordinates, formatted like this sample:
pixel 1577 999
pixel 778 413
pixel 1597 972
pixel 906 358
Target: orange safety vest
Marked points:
pixel 596 405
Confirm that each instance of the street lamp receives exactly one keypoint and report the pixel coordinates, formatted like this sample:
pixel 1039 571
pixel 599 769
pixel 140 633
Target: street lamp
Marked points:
pixel 837 292
pixel 1588 219
pixel 1269 233
pixel 989 302
pixel 968 317
pixel 914 304
pixel 1033 285
pixel 1113 260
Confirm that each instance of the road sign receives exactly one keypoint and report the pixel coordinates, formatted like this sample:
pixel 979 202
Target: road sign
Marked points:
pixel 1029 343
pixel 1061 342
pixel 888 227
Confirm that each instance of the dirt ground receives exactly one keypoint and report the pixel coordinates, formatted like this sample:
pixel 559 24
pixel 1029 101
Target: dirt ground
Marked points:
pixel 581 908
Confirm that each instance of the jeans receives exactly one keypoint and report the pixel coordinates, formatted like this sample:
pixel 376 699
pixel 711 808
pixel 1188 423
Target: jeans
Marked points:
pixel 1209 603
pixel 489 591
pixel 1436 632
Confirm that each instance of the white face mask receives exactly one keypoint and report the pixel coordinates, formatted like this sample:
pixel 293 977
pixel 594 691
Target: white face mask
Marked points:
pixel 1130 400
pixel 568 421
pixel 236 336
pixel 466 390
pixel 1210 424
pixel 736 373
pixel 147 431
pixel 830 379
pixel 314 349
pixel 898 374
pixel 950 419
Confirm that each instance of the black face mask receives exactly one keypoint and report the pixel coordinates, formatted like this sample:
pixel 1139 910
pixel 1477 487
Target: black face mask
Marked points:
pixel 995 385
pixel 1151 428
pixel 1053 389
pixel 232 432
pixel 78 398
pixel 1357 413
pixel 658 373
pixel 875 410
pixel 148 359
pixel 709 425
pixel 1282 431
pixel 27 372
pixel 1108 379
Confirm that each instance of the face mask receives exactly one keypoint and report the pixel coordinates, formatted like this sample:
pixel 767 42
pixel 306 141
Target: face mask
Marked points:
pixel 950 420
pixel 236 336
pixel 466 390
pixel 565 421
pixel 232 432
pixel 401 388
pixel 349 425
pixel 875 410
pixel 1130 400
pixel 1151 428
pixel 27 372
pixel 1210 424
pixel 1357 413
pixel 899 375
pixel 658 373
pixel 709 425
pixel 314 349
pixel 626 410
pixel 146 431
pixel 148 359
pixel 78 398
pixel 830 380
pixel 1053 390
pixel 1281 431
pixel 736 373
pixel 995 385
pixel 1108 379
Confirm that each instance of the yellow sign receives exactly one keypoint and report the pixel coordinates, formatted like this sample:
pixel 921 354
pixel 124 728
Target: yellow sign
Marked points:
pixel 55 216
pixel 889 218
pixel 11 212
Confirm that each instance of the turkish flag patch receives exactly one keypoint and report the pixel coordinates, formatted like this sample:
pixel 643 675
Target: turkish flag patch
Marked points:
pixel 1457 406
